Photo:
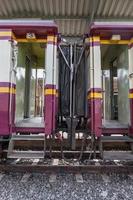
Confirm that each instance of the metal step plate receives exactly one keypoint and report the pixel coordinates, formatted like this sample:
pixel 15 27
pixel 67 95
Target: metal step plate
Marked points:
pixel 26 154
pixel 28 137
pixel 116 139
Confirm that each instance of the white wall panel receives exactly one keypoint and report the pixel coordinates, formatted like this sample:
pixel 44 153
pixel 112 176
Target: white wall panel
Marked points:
pixel 5 60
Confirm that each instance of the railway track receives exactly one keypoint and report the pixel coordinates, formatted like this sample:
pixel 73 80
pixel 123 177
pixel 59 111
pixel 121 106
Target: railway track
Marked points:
pixel 114 153
pixel 70 166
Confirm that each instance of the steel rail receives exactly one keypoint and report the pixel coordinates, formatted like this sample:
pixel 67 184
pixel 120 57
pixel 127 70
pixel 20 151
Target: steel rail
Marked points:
pixel 43 168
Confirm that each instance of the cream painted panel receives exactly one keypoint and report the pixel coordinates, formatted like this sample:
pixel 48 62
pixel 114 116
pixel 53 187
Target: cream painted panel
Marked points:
pixel 88 72
pixel 57 72
pixel 5 60
pixel 50 70
pixel 55 66
pixel 97 67
pixel 91 73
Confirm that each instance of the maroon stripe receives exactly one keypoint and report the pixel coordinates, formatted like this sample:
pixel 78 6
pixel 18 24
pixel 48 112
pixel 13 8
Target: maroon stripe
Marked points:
pixel 96 116
pixel 131 90
pixel 99 90
pixel 13 109
pixel 5 37
pixel 5 128
pixel 7 84
pixel 50 113
pixel 92 44
pixel 106 31
pixel 112 130
pixel 5 30
pixel 95 113
pixel 53 95
pixel 112 28
pixel 53 43
pixel 131 114
pixel 4 114
pixel 57 101
pixel 50 86
pixel 28 129
pixel 131 110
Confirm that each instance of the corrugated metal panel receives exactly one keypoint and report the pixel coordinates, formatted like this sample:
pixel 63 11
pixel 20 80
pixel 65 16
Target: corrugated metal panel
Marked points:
pixel 72 27
pixel 115 8
pixel 71 15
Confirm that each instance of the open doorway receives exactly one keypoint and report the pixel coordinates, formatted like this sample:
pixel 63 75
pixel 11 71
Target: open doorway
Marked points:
pixel 115 86
pixel 30 84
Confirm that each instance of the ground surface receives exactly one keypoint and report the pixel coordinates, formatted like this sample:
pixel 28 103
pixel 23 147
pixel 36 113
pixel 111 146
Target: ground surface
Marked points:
pixel 17 186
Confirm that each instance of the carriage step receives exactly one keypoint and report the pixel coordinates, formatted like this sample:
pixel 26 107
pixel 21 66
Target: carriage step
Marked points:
pixel 116 139
pixel 28 137
pixel 26 154
pixel 15 153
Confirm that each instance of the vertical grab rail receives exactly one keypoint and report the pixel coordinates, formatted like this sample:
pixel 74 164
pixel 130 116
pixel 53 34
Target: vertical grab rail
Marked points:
pixel 43 99
pixel 14 52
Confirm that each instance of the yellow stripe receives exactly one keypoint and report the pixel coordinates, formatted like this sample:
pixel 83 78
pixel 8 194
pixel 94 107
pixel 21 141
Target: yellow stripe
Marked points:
pixel 95 95
pixel 35 40
pixel 7 90
pixel 130 96
pixel 51 39
pixel 5 33
pixel 114 41
pixel 50 92
pixel 131 42
pixel 97 39
pixel 94 39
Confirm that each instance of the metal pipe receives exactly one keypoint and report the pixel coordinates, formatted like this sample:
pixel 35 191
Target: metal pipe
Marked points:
pixel 53 83
pixel 71 80
pixel 12 73
pixel 111 91
pixel 43 89
pixel 35 112
pixel 93 86
pixel 74 79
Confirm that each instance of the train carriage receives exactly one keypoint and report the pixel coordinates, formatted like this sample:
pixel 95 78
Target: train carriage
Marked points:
pixel 72 94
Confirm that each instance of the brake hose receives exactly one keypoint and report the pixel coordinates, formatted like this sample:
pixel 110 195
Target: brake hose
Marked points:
pixel 81 151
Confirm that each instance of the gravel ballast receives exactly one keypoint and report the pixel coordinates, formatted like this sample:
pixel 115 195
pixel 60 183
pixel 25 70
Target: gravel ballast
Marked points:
pixel 95 186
